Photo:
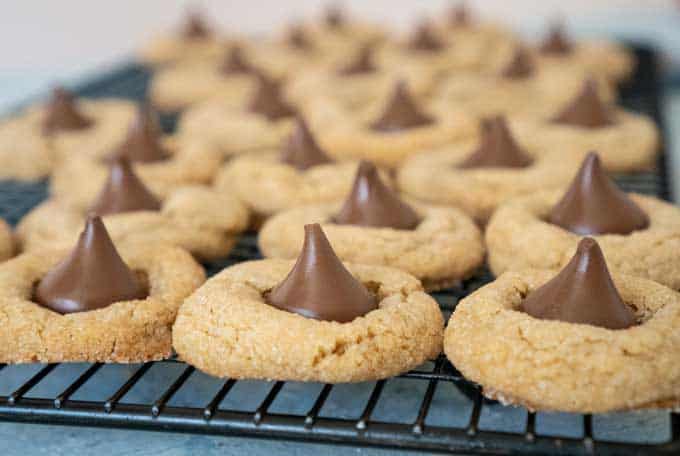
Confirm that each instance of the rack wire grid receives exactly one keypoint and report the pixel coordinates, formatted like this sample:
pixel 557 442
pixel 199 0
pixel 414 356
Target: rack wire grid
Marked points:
pixel 432 408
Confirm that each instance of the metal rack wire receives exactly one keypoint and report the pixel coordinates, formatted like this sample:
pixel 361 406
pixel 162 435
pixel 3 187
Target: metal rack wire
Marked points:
pixel 432 408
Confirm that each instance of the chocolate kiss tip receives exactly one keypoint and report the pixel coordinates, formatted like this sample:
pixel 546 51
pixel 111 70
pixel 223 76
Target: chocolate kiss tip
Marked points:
pixel 593 204
pixel 319 286
pixel 459 15
pixel 586 110
pixel 498 148
pixel 520 66
pixel 124 192
pixel 362 63
pixel 301 150
pixel 401 112
pixel 268 101
pixel 142 143
pixel 92 276
pixel 556 42
pixel 297 38
pixel 195 26
pixel 235 62
pixel 425 39
pixel 371 203
pixel 62 114
pixel 583 292
pixel 334 16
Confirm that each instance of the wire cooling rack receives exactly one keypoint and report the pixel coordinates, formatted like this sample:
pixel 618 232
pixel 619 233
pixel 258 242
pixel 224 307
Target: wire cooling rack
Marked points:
pixel 431 408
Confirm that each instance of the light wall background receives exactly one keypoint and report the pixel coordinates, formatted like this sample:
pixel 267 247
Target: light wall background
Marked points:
pixel 43 41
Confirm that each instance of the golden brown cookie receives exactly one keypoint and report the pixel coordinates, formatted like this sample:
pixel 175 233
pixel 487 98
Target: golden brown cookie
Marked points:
pixel 178 87
pixel 27 153
pixel 227 329
pixel 349 135
pixel 232 129
pixel 488 93
pixel 443 249
pixel 519 237
pixel 267 186
pixel 434 177
pixel 608 59
pixel 432 48
pixel 358 83
pixel 201 220
pixel 561 366
pixel 630 144
pixel 336 28
pixel 123 332
pixel 77 182
pixel 195 41
pixel 7 248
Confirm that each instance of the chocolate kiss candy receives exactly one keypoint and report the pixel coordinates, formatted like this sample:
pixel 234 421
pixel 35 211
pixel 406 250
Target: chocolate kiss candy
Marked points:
pixel 593 204
pixel 319 286
pixel 498 148
pixel 425 39
pixel 195 27
pixel 268 101
pixel 301 149
pixel 91 277
pixel 372 203
pixel 61 113
pixel 298 39
pixel 334 17
pixel 586 110
pixel 583 292
pixel 235 62
pixel 362 64
pixel 124 192
pixel 401 112
pixel 556 42
pixel 459 15
pixel 520 67
pixel 142 143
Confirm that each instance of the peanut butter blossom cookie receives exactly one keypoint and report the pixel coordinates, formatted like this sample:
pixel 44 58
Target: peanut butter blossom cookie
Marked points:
pixel 374 226
pixel 579 341
pixel 461 27
pixel 258 122
pixel 337 30
pixel 477 176
pixel 431 48
pixel 34 142
pixel 604 58
pixel 231 80
pixel 390 135
pixel 94 304
pixel 359 82
pixel 163 163
pixel 195 41
pixel 638 234
pixel 197 218
pixel 626 142
pixel 300 173
pixel 315 320
pixel 505 87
